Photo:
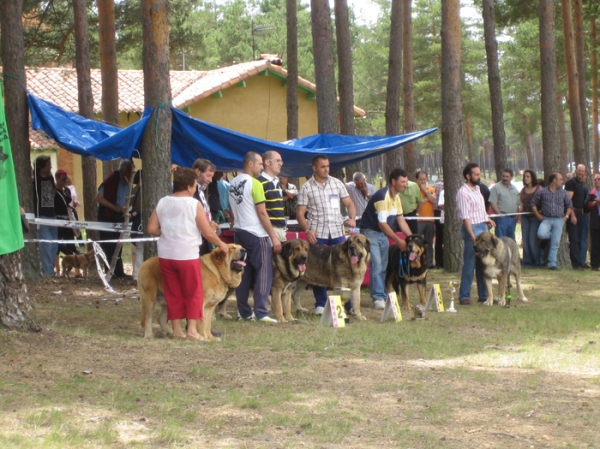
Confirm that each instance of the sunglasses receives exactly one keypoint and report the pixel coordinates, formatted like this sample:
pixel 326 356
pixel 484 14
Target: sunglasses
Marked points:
pixel 276 160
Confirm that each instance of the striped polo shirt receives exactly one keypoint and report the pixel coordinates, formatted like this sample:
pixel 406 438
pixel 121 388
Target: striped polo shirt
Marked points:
pixel 274 200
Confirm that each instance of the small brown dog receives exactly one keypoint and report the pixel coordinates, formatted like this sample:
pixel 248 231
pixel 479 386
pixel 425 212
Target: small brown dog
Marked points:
pixel 81 261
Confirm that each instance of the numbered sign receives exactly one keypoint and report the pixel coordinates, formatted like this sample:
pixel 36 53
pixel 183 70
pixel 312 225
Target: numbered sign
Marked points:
pixel 435 298
pixel 334 313
pixel 391 305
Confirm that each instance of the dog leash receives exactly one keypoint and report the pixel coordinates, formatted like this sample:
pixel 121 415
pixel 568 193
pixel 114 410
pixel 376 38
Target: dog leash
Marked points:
pixel 404 266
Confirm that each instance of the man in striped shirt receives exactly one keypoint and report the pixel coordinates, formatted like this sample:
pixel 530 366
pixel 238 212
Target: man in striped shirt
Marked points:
pixel 272 163
pixel 471 211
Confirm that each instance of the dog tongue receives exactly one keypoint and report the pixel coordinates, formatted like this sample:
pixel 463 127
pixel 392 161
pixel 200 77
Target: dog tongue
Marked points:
pixel 412 256
pixel 302 268
pixel 354 260
pixel 241 263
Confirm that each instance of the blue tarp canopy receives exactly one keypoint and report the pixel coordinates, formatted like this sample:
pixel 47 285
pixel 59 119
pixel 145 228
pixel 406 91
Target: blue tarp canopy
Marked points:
pixel 192 138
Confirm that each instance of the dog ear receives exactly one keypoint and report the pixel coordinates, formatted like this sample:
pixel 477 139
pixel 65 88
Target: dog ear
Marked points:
pixel 218 256
pixel 286 248
pixel 494 240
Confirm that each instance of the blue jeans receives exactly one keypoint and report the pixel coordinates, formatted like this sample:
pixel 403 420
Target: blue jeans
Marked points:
pixel 585 231
pixel 258 274
pixel 531 243
pixel 379 260
pixel 505 227
pixel 321 292
pixel 551 228
pixel 470 265
pixel 48 251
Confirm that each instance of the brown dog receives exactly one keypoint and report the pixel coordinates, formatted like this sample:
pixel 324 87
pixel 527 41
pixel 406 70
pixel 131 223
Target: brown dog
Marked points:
pixel 288 267
pixel 220 272
pixel 81 261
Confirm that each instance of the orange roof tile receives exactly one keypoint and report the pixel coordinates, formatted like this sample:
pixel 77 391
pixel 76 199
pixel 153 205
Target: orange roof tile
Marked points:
pixel 59 85
pixel 40 141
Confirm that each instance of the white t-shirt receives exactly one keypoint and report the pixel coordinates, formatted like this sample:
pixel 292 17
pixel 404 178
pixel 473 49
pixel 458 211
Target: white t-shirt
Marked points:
pixel 245 192
pixel 180 237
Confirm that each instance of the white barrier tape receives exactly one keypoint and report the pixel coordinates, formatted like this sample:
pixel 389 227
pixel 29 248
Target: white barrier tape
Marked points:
pixel 78 242
pixel 508 215
pixel 99 254
pixel 95 225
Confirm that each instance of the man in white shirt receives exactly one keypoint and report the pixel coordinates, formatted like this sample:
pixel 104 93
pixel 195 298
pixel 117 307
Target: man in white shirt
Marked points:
pixel 252 230
pixel 360 192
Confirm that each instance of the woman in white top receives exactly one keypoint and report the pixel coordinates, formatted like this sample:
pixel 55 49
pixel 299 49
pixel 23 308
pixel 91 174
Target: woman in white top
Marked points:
pixel 179 221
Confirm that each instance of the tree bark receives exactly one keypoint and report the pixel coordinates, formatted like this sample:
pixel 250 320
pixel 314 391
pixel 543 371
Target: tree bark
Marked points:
pixel 324 66
pixel 17 118
pixel 109 70
pixel 548 88
pixel 86 108
pixel 410 151
pixel 345 77
pixel 579 150
pixel 580 51
pixel 453 154
pixel 292 69
pixel 491 51
pixel 393 158
pixel 528 145
pixel 17 309
pixel 596 147
pixel 562 136
pixel 156 143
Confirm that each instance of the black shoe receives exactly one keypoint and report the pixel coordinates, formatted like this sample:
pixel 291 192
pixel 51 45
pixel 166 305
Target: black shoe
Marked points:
pixel 555 268
pixel 482 300
pixel 216 333
pixel 586 265
pixel 543 243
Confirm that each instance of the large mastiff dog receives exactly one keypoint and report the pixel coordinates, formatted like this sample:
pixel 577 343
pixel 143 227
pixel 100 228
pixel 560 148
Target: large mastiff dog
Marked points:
pixel 408 267
pixel 288 267
pixel 220 272
pixel 500 258
pixel 342 265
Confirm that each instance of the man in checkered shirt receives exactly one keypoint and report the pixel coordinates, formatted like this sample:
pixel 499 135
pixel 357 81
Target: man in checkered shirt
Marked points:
pixel 321 196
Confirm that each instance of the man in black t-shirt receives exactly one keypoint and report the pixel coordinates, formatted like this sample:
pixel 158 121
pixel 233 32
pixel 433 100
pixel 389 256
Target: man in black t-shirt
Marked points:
pixel 44 190
pixel 575 190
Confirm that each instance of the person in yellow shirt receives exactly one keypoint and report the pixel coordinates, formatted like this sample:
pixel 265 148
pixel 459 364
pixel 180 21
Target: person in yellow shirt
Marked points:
pixel 427 227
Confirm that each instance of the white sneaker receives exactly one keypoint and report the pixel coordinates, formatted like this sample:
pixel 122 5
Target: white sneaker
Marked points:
pixel 267 319
pixel 379 304
pixel 319 310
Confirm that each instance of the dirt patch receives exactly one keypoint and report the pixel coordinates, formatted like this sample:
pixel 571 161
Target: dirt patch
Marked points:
pixel 269 386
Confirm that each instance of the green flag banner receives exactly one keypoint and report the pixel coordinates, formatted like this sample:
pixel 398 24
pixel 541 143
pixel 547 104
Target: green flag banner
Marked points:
pixel 11 232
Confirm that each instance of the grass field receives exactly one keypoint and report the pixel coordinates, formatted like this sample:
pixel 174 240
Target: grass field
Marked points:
pixel 519 377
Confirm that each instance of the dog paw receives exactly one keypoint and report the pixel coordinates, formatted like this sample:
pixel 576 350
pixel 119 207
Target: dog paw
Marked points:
pixel 502 303
pixel 301 309
pixel 282 320
pixel 524 299
pixel 489 302
pixel 361 317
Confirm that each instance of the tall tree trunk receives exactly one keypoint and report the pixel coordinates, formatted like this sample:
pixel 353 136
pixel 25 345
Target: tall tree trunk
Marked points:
pixel 596 148
pixel 491 51
pixel 470 146
pixel 528 146
pixel 86 107
pixel 562 136
pixel 580 50
pixel 410 150
pixel 17 309
pixel 345 78
pixel 548 88
pixel 324 66
pixel 453 154
pixel 156 143
pixel 17 119
pixel 292 69
pixel 579 150
pixel 108 69
pixel 393 159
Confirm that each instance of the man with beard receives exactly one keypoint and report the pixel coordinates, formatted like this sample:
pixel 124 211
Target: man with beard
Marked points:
pixel 475 221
